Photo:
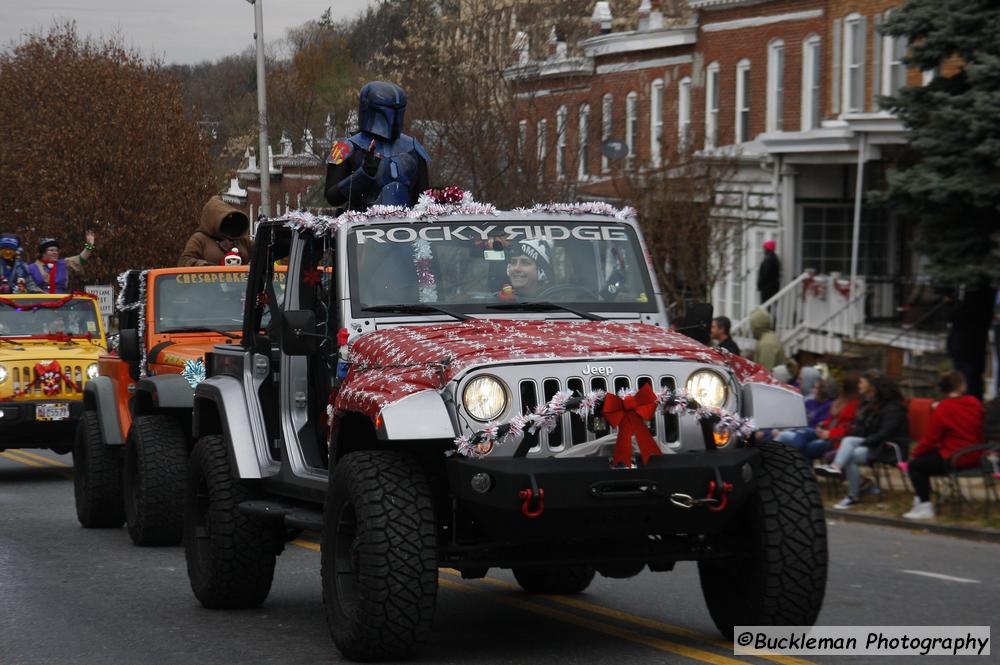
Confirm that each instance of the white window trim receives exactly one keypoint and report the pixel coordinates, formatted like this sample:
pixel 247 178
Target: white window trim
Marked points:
pixel 561 117
pixel 888 50
pixel 775 67
pixel 522 137
pixel 742 100
pixel 812 46
pixel 684 111
pixel 852 21
pixel 541 139
pixel 631 122
pixel 607 126
pixel 583 142
pixel 712 105
pixel 656 121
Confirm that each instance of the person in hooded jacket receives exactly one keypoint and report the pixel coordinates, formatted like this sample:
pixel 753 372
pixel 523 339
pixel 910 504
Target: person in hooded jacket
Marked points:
pixel 881 419
pixel 956 422
pixel 769 352
pixel 223 229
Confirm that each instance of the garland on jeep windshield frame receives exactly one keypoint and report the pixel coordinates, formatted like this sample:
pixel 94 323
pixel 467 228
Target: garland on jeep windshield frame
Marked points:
pixel 434 204
pixel 544 418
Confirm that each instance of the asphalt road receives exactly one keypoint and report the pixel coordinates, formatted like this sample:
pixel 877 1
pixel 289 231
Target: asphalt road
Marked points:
pixel 72 595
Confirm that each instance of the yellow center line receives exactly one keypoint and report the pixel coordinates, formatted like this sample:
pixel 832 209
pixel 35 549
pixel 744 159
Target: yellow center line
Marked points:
pixel 608 629
pixel 42 458
pixel 9 454
pixel 623 633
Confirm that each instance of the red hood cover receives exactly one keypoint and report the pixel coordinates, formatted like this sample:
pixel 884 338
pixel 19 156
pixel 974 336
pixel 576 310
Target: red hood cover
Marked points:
pixel 389 365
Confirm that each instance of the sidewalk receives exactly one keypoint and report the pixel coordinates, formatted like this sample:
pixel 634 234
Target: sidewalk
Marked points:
pixel 965 521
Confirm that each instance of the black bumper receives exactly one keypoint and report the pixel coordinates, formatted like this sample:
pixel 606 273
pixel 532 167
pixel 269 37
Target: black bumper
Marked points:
pixel 584 499
pixel 20 429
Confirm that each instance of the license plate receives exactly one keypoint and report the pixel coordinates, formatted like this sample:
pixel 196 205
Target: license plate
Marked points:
pixel 52 411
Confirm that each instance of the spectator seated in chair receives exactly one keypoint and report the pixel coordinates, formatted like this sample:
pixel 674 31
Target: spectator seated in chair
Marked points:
pixel 955 423
pixel 881 421
pixel 829 430
pixel 818 401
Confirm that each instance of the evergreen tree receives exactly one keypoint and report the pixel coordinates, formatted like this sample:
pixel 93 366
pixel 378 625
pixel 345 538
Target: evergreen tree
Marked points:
pixel 950 183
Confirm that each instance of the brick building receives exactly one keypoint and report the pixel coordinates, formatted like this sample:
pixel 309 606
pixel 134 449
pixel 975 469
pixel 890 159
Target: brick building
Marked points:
pixel 789 88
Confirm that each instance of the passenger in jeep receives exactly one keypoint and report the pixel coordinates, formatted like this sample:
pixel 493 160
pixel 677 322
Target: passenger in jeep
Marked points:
pixel 529 267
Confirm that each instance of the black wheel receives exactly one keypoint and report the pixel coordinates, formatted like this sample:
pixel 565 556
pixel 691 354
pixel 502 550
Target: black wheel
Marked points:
pixel 155 467
pixel 778 576
pixel 554 579
pixel 379 556
pixel 97 476
pixel 230 557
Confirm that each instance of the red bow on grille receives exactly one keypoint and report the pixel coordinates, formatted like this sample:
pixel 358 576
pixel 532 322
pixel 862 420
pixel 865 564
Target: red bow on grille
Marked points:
pixel 628 415
pixel 50 375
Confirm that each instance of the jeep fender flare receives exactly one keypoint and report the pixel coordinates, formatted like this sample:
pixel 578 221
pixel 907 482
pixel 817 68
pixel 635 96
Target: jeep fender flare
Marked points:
pixel 99 397
pixel 163 391
pixel 220 408
pixel 420 416
pixel 773 407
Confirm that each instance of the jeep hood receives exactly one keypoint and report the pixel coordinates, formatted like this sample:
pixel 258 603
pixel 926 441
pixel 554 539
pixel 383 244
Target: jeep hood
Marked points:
pixel 176 355
pixel 29 352
pixel 388 365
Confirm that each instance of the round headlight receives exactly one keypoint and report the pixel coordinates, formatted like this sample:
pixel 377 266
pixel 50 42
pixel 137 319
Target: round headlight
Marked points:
pixel 707 387
pixel 485 398
pixel 3 374
pixel 92 371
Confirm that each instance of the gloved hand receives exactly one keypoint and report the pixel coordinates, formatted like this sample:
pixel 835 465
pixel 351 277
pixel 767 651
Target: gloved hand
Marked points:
pixel 372 161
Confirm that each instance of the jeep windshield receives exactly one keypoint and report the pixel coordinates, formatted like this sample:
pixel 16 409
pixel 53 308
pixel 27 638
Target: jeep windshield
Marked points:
pixel 43 317
pixel 203 301
pixel 474 266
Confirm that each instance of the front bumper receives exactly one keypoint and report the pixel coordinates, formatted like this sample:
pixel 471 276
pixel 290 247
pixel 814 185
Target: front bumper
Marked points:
pixel 19 427
pixel 585 500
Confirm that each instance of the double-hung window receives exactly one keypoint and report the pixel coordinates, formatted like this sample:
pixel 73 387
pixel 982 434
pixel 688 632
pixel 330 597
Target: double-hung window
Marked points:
pixel 712 106
pixel 743 101
pixel 776 86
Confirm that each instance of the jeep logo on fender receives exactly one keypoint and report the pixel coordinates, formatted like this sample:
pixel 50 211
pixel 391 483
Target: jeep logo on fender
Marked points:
pixel 594 370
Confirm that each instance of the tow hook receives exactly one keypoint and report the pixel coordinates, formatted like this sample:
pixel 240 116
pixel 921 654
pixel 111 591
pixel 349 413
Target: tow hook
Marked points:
pixel 717 505
pixel 534 495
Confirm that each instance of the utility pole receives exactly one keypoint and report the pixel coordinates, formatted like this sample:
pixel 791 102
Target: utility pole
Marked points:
pixel 263 153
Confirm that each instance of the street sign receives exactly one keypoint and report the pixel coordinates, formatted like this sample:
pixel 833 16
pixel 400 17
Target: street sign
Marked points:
pixel 614 149
pixel 105 299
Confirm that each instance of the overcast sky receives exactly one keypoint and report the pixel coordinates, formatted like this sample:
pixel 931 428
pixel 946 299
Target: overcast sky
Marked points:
pixel 182 31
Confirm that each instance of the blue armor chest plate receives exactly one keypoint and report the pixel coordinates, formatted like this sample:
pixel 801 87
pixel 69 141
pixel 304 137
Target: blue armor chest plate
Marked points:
pixel 398 169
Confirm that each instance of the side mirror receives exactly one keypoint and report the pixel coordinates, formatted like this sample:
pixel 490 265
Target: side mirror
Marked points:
pixel 128 345
pixel 297 332
pixel 697 322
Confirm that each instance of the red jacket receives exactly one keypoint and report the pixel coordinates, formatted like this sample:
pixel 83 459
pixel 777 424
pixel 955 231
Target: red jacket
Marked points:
pixel 839 424
pixel 955 423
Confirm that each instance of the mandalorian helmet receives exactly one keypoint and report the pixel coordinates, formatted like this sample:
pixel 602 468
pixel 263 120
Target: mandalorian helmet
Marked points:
pixel 380 109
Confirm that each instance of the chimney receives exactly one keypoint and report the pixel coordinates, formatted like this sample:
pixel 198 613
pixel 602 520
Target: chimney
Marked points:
pixel 644 9
pixel 522 48
pixel 655 14
pixel 600 20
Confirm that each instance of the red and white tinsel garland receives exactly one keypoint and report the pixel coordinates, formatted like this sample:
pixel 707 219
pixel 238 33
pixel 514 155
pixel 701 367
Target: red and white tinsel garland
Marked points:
pixel 544 418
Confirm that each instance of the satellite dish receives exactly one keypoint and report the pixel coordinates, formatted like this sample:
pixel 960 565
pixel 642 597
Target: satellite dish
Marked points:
pixel 614 149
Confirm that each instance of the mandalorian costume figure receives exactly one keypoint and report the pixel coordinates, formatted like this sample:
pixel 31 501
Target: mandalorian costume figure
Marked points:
pixel 379 164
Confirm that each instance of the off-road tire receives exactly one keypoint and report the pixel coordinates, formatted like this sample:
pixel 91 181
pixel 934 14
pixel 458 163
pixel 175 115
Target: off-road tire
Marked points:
pixel 155 469
pixel 379 558
pixel 563 580
pixel 97 476
pixel 230 557
pixel 780 578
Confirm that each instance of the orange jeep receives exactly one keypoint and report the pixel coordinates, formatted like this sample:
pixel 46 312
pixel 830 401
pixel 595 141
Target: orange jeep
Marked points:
pixel 133 438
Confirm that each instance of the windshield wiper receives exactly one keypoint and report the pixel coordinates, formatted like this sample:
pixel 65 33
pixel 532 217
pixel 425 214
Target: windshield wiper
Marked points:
pixel 546 306
pixel 193 329
pixel 415 309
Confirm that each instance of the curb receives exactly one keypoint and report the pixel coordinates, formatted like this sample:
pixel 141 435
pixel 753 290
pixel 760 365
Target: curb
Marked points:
pixel 969 533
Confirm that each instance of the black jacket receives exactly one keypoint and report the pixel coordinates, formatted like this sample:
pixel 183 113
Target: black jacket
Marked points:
pixel 729 345
pixel 880 424
pixel 769 273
